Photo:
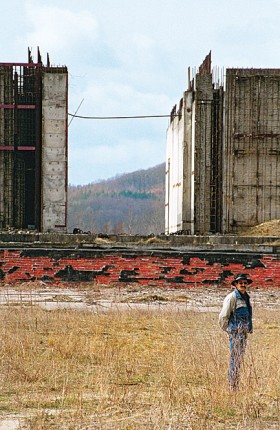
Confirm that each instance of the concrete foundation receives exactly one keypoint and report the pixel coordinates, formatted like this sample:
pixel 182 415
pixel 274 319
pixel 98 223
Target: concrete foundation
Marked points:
pixel 178 261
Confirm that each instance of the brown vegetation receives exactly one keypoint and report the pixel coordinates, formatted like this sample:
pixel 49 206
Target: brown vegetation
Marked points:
pixel 134 370
pixel 269 228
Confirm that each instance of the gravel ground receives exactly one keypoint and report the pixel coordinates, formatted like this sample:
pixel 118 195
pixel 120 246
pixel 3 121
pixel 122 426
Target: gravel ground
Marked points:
pixel 101 298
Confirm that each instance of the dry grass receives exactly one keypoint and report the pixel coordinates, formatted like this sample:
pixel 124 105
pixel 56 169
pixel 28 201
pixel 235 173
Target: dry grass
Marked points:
pixel 134 370
pixel 268 228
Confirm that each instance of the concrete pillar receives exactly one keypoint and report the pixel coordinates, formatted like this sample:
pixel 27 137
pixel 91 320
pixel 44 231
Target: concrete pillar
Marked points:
pixel 54 150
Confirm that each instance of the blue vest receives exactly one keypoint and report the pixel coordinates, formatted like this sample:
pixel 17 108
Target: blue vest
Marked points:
pixel 241 317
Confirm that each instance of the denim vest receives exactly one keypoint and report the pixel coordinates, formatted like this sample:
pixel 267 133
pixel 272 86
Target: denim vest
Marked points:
pixel 241 317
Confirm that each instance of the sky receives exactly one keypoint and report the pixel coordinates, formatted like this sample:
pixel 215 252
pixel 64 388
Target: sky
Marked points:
pixel 130 58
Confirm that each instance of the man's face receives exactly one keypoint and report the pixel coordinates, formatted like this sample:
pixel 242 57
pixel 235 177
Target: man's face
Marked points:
pixel 242 286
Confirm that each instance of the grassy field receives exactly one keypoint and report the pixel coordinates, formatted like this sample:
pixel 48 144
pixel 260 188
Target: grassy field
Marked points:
pixel 65 369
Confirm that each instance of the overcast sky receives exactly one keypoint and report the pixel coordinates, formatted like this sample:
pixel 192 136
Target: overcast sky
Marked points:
pixel 131 57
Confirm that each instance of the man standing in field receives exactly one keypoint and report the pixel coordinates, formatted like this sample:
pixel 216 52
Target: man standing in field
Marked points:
pixel 236 319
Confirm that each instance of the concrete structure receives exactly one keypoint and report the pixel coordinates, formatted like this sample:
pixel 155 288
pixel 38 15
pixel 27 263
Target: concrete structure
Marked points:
pixel 33 145
pixel 180 159
pixel 171 261
pixel 251 170
pixel 223 153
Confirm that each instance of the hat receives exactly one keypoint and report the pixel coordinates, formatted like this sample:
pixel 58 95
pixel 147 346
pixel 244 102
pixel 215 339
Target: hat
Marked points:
pixel 241 277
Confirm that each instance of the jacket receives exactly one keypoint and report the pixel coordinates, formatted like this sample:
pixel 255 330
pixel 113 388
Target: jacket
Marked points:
pixel 235 314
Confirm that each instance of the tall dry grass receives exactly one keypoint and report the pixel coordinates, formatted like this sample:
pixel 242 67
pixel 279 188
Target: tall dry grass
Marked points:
pixel 135 370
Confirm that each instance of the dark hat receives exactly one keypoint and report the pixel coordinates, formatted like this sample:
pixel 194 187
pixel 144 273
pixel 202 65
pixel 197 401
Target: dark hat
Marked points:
pixel 241 277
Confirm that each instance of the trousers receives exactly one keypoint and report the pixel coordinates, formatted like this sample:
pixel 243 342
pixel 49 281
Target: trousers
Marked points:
pixel 237 345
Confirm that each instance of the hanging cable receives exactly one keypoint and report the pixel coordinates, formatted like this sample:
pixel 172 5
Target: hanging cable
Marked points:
pixel 119 117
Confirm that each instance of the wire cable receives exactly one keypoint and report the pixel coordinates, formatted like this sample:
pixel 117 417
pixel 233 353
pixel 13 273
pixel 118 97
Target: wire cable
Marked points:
pixel 73 116
pixel 119 117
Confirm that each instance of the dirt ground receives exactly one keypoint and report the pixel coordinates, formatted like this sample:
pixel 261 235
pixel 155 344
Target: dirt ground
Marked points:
pixel 98 298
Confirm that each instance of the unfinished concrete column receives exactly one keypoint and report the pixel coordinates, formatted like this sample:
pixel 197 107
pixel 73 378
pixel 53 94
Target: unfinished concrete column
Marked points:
pixel 202 160
pixel 54 149
pixel 6 146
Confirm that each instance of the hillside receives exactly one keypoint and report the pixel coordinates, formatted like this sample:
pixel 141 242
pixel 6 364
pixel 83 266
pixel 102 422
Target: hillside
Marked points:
pixel 131 203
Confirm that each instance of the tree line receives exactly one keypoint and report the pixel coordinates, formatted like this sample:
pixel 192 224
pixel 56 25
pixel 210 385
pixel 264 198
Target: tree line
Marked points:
pixel 131 203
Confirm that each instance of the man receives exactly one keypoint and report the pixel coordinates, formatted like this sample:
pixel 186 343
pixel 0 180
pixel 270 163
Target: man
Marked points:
pixel 236 319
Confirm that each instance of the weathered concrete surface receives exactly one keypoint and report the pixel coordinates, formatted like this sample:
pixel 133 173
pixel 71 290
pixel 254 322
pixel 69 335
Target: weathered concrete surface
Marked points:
pixel 175 261
pixel 234 157
pixel 32 238
pixel 251 186
pixel 54 151
pixel 179 156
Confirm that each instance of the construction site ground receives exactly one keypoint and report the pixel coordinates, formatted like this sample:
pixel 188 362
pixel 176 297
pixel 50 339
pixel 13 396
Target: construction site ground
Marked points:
pixel 101 298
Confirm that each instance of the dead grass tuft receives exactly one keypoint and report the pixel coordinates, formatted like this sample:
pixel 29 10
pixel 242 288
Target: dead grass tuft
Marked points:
pixel 102 241
pixel 153 240
pixel 269 228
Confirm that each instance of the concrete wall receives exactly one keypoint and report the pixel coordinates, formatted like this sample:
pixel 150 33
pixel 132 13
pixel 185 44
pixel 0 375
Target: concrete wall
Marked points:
pixel 251 179
pixel 54 150
pixel 174 172
pixel 203 146
pixel 172 268
pixel 179 168
pixel 227 180
pixel 193 161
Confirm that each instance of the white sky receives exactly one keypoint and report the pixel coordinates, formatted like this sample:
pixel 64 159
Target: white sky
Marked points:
pixel 130 57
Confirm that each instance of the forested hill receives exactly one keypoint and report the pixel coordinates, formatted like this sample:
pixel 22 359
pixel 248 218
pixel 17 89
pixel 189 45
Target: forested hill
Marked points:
pixel 131 203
